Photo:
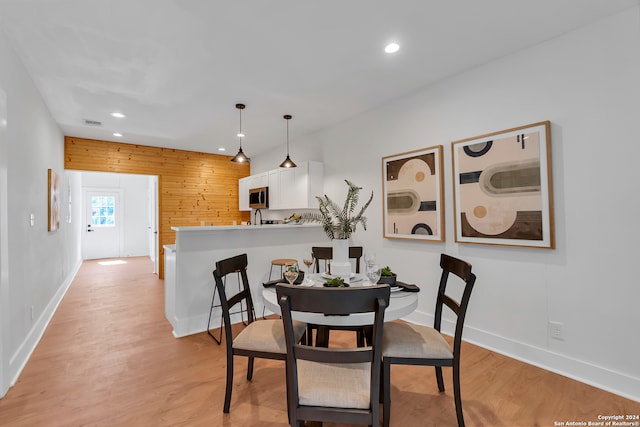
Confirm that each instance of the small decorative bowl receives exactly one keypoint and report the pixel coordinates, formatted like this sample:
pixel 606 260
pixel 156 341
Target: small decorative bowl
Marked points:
pixel 388 280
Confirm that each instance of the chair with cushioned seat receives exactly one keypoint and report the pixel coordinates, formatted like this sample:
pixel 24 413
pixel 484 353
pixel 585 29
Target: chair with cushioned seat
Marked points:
pixel 325 253
pixel 409 344
pixel 259 338
pixel 333 384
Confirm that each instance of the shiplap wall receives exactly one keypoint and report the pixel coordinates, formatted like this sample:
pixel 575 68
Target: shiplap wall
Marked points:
pixel 192 187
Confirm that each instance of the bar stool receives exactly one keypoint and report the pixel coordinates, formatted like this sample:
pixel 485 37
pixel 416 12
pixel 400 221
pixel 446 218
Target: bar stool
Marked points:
pixel 281 262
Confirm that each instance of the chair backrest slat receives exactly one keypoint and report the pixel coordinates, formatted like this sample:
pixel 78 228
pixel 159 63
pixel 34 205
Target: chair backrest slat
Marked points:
pixel 331 301
pixel 233 264
pixel 451 303
pixel 347 355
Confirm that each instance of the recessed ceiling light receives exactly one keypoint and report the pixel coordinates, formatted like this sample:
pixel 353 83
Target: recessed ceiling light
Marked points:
pixel 222 149
pixel 240 135
pixel 118 115
pixel 118 134
pixel 392 48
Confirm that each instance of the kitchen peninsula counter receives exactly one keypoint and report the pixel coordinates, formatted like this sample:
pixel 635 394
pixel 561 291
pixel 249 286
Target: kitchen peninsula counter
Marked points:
pixel 190 262
pixel 262 227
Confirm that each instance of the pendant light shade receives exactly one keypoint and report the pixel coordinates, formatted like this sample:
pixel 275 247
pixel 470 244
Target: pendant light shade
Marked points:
pixel 240 157
pixel 288 163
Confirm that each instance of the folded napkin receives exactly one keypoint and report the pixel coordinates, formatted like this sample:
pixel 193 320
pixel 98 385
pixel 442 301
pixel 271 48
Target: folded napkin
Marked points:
pixel 407 287
pixel 272 283
pixel 283 280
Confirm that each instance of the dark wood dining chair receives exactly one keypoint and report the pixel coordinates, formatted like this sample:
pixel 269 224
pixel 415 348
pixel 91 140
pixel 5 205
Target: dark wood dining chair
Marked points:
pixel 409 344
pixel 333 384
pixel 325 254
pixel 262 338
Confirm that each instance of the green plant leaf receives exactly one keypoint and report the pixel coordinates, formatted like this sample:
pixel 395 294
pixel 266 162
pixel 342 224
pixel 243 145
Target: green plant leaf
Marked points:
pixel 338 221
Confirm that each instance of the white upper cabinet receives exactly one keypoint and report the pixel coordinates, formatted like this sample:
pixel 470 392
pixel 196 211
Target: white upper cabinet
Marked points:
pixel 309 183
pixel 296 188
pixel 260 180
pixel 243 193
pixel 289 188
pixel 275 201
pixel 247 183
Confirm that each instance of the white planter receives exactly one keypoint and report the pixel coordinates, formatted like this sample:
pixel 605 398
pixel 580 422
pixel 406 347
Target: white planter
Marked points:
pixel 340 264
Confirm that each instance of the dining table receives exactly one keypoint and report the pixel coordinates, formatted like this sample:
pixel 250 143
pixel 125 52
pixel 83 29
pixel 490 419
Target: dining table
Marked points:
pixel 401 303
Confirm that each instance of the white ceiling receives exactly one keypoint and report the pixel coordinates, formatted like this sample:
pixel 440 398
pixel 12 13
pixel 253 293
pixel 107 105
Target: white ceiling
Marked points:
pixel 177 68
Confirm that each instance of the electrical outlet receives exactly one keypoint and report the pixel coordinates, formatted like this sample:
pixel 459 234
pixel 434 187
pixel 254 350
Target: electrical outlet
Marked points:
pixel 556 330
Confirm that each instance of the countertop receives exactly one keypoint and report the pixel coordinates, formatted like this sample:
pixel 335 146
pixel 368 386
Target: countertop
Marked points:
pixel 244 227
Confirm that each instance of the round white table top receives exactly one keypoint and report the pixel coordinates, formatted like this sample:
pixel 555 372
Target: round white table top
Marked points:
pixel 401 304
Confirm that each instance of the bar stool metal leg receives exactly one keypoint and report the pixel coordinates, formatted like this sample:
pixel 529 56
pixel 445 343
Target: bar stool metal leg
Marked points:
pixel 243 309
pixel 218 340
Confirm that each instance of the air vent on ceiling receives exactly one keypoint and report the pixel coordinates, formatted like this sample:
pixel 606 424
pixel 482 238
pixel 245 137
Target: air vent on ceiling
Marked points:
pixel 88 122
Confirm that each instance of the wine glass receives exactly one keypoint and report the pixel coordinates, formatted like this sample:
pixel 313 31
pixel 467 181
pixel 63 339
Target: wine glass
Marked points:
pixel 373 273
pixel 370 258
pixel 308 262
pixel 291 273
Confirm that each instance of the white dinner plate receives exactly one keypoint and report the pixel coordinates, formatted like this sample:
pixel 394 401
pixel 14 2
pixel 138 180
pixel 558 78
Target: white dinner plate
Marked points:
pixel 330 276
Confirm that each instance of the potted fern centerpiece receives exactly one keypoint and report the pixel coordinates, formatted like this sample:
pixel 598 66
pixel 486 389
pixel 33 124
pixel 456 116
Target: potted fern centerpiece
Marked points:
pixel 339 222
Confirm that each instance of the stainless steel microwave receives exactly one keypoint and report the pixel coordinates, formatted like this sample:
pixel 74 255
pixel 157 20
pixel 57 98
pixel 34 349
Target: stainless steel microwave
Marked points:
pixel 259 198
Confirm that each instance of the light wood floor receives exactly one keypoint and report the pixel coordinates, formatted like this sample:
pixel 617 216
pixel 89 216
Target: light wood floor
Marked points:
pixel 108 358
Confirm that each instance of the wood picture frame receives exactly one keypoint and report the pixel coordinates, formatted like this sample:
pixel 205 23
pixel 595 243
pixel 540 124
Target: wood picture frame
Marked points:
pixel 412 202
pixel 54 200
pixel 502 188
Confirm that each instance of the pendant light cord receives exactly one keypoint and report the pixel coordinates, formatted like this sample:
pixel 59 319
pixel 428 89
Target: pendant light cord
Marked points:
pixel 239 137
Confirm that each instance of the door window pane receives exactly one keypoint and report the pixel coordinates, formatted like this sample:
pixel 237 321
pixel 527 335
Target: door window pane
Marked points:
pixel 103 211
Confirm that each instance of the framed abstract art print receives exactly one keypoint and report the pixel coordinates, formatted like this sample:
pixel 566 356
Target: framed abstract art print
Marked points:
pixel 413 194
pixel 502 188
pixel 54 200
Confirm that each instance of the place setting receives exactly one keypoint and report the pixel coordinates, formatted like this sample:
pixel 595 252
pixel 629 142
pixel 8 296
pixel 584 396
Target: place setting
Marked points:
pixel 384 275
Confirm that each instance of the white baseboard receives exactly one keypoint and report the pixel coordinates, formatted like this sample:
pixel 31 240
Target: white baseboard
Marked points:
pixel 190 325
pixel 20 358
pixel 579 370
pixel 197 324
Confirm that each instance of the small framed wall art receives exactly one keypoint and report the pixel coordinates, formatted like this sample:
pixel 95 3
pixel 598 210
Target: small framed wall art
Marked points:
pixel 413 194
pixel 502 188
pixel 54 201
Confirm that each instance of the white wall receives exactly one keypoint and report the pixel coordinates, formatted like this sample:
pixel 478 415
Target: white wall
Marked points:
pixel 587 84
pixel 38 269
pixel 135 190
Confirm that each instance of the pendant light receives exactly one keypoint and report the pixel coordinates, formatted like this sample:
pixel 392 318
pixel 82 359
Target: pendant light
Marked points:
pixel 240 157
pixel 288 163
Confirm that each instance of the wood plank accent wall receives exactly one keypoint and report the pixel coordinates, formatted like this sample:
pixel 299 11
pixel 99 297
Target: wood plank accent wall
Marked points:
pixel 192 186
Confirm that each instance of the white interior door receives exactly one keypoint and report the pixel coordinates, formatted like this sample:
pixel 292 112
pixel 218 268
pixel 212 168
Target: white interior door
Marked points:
pixel 4 249
pixel 153 223
pixel 102 235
